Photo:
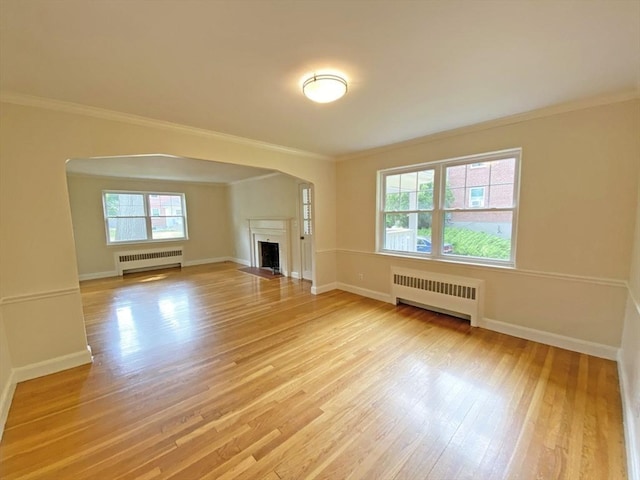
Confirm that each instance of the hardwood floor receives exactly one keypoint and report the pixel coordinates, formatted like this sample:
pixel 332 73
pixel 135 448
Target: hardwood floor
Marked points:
pixel 212 373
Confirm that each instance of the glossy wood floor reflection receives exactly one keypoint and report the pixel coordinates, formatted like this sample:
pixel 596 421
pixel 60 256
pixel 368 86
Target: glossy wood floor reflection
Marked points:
pixel 212 373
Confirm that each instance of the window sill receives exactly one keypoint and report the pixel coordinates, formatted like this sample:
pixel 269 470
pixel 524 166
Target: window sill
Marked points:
pixel 454 261
pixel 147 242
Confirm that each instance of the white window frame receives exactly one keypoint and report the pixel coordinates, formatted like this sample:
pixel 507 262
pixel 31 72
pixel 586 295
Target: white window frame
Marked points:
pixel 148 215
pixel 439 210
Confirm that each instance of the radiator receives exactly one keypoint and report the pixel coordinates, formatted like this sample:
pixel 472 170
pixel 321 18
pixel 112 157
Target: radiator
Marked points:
pixel 147 259
pixel 455 295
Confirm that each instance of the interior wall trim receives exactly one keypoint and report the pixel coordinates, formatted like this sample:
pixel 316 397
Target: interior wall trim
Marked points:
pixel 204 261
pixel 365 292
pixel 553 339
pixel 241 261
pixel 550 111
pixel 611 282
pixel 35 370
pixel 30 297
pixel 631 420
pixel 75 108
pixel 94 276
pixel 5 401
pixel 320 289
pixel 52 365
pixel 632 442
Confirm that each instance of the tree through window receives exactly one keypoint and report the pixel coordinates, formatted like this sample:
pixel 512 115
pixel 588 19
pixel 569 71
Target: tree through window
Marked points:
pixel 127 217
pixel 461 209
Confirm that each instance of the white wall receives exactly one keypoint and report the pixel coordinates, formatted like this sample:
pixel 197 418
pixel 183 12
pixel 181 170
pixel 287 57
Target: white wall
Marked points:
pixel 273 196
pixel 579 183
pixel 6 381
pixel 629 359
pixel 210 232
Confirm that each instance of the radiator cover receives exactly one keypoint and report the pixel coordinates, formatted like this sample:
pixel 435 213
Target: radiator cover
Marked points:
pixel 148 258
pixel 458 295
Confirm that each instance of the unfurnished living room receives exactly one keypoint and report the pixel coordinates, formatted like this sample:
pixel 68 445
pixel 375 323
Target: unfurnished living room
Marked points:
pixel 319 239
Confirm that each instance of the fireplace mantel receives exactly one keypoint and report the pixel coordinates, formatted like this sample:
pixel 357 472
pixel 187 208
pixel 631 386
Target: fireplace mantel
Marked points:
pixel 273 230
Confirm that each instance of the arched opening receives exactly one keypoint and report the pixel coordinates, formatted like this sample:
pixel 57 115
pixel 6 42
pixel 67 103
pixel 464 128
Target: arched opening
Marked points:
pixel 219 199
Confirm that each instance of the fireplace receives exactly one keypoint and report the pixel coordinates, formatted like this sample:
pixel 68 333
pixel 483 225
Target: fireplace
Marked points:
pixel 270 256
pixel 274 232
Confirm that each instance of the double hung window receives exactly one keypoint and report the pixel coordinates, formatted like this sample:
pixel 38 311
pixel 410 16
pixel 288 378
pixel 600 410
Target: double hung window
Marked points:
pixel 463 209
pixel 138 217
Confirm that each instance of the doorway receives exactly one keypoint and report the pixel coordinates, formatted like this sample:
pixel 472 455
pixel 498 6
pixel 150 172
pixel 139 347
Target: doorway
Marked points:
pixel 306 231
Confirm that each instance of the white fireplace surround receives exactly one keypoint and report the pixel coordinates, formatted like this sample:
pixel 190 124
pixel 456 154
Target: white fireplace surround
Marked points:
pixel 273 230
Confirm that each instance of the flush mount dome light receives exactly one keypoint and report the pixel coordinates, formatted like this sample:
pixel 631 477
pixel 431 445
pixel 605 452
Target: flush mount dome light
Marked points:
pixel 324 88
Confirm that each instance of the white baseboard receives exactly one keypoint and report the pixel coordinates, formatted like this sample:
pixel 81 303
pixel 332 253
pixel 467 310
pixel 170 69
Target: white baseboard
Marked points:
pixel 324 288
pixel 553 339
pixel 365 292
pixel 5 401
pixel 53 365
pixel 630 422
pixel 204 261
pixel 241 261
pixel 96 275
pixel 36 370
pixel 295 275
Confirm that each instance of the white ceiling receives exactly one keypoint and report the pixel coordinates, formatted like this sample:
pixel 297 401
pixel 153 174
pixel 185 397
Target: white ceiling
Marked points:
pixel 414 67
pixel 164 167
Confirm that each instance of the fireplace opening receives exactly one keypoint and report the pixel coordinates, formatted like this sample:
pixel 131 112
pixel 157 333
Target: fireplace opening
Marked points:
pixel 270 256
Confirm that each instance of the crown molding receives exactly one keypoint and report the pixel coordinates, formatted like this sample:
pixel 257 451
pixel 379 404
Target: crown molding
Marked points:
pixel 145 179
pixel 78 109
pixel 500 122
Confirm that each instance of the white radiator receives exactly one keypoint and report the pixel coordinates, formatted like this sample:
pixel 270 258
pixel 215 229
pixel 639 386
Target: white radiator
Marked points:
pixel 150 258
pixel 458 295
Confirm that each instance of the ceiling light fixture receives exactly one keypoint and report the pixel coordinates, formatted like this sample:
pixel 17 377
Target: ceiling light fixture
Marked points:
pixel 324 88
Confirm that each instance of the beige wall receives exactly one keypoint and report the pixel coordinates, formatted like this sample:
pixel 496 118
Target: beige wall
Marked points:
pixel 272 196
pixel 579 180
pixel 41 304
pixel 210 233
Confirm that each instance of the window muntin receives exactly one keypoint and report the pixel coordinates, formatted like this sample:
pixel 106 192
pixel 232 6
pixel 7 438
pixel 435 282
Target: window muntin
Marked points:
pixel 465 209
pixel 306 211
pixel 127 219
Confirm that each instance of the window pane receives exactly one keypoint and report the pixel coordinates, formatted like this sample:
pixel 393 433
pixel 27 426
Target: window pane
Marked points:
pixel 306 195
pixel 124 204
pixel 165 205
pixel 404 230
pixel 127 229
pixel 495 178
pixel 396 202
pixel 425 190
pixel 478 234
pixel 167 227
pixel 409 191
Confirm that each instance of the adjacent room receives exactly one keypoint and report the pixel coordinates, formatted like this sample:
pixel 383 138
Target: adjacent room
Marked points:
pixel 328 239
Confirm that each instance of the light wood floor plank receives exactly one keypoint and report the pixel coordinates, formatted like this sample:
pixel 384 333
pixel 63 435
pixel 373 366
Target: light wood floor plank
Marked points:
pixel 208 372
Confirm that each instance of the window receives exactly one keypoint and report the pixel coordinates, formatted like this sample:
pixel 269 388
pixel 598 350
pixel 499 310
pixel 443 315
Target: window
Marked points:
pixel 306 210
pixel 127 219
pixel 476 197
pixel 463 209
